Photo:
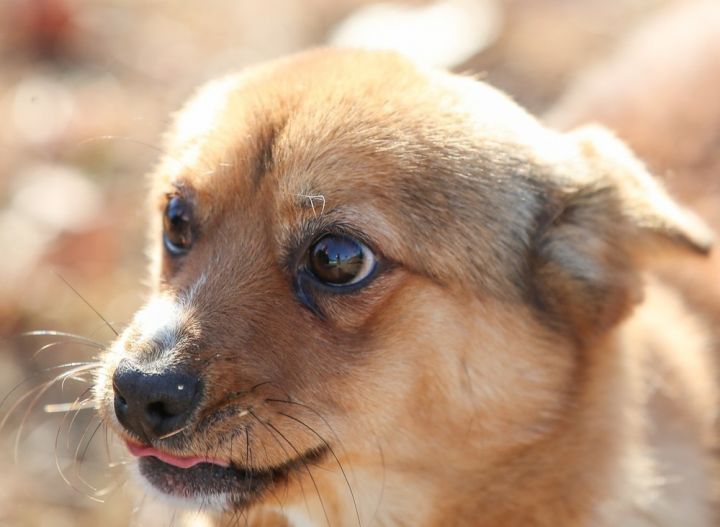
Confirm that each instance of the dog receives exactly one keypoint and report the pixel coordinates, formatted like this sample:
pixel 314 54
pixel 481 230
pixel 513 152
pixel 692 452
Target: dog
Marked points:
pixel 387 295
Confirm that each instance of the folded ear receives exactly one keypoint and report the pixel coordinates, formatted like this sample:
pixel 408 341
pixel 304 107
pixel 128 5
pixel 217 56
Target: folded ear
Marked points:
pixel 643 200
pixel 606 216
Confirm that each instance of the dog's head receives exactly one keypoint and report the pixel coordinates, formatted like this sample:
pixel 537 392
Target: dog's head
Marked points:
pixel 365 270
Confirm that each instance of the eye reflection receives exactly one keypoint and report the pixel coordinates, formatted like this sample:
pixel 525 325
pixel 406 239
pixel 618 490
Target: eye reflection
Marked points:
pixel 338 260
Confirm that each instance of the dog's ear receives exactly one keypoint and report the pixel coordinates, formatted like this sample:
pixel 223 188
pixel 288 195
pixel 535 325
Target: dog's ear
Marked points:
pixel 643 200
pixel 603 219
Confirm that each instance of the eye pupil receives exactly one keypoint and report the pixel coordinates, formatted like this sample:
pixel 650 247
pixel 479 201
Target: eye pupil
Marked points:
pixel 336 259
pixel 177 226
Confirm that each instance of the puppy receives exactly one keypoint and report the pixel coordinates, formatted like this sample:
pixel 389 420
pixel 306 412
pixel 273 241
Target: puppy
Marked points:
pixel 385 295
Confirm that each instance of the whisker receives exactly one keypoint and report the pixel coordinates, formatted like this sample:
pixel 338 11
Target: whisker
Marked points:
pixel 76 470
pixel 60 343
pixel 68 428
pixel 79 460
pixel 62 472
pixel 101 493
pixel 19 402
pixel 312 478
pixel 75 415
pixel 107 446
pixel 234 519
pixel 287 455
pixel 384 475
pixel 336 437
pixel 73 377
pixel 43 371
pixel 174 432
pixel 57 408
pixel 347 481
pixel 69 336
pixel 42 391
pixel 115 464
pixel 322 418
pixel 309 408
pixel 87 303
pixel 76 403
pixel 237 514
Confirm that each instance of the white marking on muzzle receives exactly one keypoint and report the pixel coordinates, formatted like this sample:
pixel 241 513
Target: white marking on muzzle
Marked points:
pixel 160 321
pixel 166 319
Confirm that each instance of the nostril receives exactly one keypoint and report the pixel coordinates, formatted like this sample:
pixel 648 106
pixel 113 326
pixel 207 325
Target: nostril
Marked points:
pixel 151 401
pixel 159 411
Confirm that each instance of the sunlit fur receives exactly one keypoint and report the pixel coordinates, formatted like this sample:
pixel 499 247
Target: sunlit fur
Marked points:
pixel 501 370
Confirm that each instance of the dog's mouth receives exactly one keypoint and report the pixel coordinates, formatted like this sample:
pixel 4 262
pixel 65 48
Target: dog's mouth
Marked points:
pixel 214 481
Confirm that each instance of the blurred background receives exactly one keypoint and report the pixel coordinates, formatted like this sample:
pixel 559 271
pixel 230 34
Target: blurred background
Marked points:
pixel 86 89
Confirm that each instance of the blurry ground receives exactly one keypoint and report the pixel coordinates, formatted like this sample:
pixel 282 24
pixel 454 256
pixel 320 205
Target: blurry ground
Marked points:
pixel 86 87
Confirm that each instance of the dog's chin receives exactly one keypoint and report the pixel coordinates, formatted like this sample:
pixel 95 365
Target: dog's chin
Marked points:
pixel 216 487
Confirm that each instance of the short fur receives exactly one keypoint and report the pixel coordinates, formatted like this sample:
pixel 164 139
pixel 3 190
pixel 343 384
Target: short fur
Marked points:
pixel 502 369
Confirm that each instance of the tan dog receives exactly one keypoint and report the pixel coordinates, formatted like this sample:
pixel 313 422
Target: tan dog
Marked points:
pixel 389 296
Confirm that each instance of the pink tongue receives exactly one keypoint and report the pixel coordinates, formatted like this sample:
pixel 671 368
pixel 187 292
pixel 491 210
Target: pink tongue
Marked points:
pixel 177 461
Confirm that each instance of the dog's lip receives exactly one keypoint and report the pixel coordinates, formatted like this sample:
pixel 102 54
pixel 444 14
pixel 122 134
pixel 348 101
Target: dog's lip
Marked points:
pixel 140 450
pixel 193 477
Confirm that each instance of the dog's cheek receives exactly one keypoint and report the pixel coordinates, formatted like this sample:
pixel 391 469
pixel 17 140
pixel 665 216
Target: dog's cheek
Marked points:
pixel 448 365
pixel 357 311
pixel 406 357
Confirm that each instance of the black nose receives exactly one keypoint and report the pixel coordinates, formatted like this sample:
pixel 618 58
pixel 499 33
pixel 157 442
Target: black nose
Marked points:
pixel 152 403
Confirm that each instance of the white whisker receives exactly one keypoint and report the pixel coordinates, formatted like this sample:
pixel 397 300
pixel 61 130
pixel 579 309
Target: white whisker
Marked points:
pixel 68 407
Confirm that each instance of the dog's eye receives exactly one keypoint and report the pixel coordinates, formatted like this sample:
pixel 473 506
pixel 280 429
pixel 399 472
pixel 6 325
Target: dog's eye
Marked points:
pixel 339 260
pixel 177 234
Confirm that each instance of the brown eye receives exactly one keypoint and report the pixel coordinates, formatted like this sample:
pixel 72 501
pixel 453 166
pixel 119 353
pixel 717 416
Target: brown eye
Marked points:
pixel 177 234
pixel 338 260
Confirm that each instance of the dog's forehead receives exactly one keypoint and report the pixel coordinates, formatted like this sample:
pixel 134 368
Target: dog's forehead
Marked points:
pixel 314 120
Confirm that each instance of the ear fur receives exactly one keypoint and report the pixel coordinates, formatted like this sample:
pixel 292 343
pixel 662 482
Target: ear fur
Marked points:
pixel 644 202
pixel 608 214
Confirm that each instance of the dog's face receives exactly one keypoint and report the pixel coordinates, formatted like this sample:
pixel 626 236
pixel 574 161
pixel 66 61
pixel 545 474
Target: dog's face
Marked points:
pixel 366 271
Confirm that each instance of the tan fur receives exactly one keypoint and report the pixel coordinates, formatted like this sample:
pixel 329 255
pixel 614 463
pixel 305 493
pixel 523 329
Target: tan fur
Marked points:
pixel 498 371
